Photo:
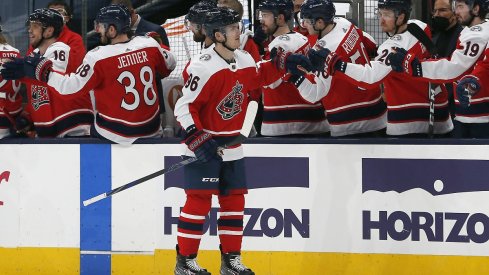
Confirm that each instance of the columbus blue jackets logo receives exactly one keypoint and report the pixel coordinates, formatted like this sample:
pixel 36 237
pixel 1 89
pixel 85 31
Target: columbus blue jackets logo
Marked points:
pixel 284 37
pixel 39 96
pixel 205 57
pixel 321 43
pixel 231 104
pixel 396 37
pixel 476 28
pixel 435 176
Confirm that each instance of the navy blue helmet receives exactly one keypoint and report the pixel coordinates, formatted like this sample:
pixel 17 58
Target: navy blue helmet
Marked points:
pixel 315 9
pixel 47 18
pixel 285 7
pixel 196 14
pixel 400 6
pixel 218 18
pixel 117 15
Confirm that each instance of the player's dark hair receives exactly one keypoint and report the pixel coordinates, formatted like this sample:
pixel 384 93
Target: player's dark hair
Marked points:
pixel 63 3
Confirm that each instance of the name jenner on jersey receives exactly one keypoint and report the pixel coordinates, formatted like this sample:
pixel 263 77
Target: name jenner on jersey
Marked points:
pixel 131 59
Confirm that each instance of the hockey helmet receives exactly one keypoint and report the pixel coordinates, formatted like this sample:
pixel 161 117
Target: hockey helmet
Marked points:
pixel 47 18
pixel 314 9
pixel 399 6
pixel 196 14
pixel 285 7
pixel 117 15
pixel 218 18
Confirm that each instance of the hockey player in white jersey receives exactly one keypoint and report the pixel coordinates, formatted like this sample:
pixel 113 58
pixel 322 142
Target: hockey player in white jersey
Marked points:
pixel 408 107
pixel 122 76
pixel 350 109
pixel 285 111
pixel 212 110
pixel 472 42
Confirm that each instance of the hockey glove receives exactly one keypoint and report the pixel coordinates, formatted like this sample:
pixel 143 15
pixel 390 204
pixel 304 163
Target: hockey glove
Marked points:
pixel 202 144
pixel 279 57
pixel 327 61
pixel 287 62
pixel 259 36
pixel 37 67
pixel 13 70
pixel 24 126
pixel 402 61
pixel 467 87
pixel 297 64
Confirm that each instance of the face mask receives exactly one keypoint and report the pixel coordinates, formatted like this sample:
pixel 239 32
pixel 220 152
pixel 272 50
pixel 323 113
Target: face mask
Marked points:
pixel 440 23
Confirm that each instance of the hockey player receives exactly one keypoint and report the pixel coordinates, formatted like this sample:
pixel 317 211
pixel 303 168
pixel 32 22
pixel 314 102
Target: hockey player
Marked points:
pixel 69 37
pixel 52 114
pixel 470 48
pixel 195 19
pixel 350 109
pixel 211 110
pixel 406 96
pixel 122 76
pixel 10 99
pixel 285 111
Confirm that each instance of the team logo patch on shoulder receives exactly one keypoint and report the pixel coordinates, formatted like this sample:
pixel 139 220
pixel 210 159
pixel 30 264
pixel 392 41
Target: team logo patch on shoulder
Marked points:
pixel 39 96
pixel 284 37
pixel 396 37
pixel 476 28
pixel 231 104
pixel 205 57
pixel 321 43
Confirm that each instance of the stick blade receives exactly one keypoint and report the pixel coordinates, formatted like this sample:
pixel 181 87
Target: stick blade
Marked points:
pixel 249 118
pixel 95 199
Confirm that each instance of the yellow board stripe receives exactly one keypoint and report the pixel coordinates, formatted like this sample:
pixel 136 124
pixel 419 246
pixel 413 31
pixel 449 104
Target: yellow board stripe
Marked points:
pixel 297 263
pixel 66 261
pixel 39 261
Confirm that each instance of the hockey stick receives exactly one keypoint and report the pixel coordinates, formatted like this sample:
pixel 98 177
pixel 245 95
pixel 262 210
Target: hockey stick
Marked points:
pixel 243 135
pixel 431 122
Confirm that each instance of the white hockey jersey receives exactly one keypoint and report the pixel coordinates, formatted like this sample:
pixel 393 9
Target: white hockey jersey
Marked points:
pixel 350 109
pixel 406 96
pixel 285 112
pixel 216 95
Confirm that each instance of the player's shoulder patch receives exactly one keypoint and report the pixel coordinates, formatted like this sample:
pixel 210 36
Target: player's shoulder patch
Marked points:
pixel 476 28
pixel 321 43
pixel 284 37
pixel 396 37
pixel 95 49
pixel 205 57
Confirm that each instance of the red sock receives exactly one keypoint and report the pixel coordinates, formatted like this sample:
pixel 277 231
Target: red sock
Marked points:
pixel 191 223
pixel 230 222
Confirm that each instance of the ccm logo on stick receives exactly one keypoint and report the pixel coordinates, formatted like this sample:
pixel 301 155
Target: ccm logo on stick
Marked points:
pixel 210 179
